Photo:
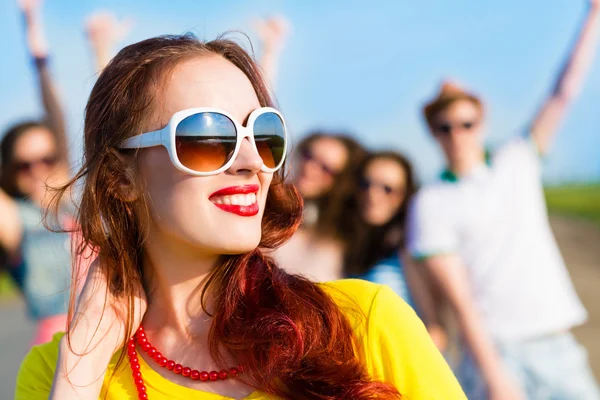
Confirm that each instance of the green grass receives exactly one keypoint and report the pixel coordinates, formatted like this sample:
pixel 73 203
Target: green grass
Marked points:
pixel 581 200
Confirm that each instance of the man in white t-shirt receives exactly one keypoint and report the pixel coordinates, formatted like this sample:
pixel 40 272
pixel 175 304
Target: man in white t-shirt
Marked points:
pixel 482 233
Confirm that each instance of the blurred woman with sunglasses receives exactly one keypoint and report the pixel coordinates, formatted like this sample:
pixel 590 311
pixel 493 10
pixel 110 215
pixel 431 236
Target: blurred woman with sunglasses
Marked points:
pixel 34 155
pixel 387 184
pixel 325 176
pixel 181 302
pixel 377 249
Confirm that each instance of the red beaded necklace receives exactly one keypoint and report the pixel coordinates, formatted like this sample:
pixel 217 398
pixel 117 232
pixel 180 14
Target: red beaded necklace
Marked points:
pixel 164 362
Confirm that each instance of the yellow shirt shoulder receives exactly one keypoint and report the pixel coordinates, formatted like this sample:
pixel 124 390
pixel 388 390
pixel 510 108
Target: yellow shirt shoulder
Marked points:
pixel 390 340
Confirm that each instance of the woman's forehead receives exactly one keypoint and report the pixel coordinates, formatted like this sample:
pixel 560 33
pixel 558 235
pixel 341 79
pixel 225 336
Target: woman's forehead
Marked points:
pixel 207 81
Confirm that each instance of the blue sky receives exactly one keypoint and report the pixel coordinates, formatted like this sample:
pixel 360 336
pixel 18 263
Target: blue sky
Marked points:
pixel 362 67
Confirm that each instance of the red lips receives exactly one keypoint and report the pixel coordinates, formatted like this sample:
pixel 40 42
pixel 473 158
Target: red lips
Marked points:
pixel 241 210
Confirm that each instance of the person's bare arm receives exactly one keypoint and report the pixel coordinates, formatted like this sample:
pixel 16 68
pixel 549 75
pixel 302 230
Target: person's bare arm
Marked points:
pixel 450 275
pixel 273 33
pixel 11 229
pixel 422 292
pixel 38 49
pixel 104 31
pixel 570 80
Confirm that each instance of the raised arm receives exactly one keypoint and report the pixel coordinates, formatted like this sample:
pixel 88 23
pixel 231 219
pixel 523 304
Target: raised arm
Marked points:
pixel 38 49
pixel 450 275
pixel 273 33
pixel 104 31
pixel 570 80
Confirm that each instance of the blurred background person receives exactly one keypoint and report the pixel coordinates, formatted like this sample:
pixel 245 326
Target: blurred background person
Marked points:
pixel 376 250
pixel 34 156
pixel 326 168
pixel 482 232
pixel 386 183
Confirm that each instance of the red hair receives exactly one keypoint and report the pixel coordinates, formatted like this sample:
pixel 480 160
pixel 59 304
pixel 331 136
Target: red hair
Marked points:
pixel 289 334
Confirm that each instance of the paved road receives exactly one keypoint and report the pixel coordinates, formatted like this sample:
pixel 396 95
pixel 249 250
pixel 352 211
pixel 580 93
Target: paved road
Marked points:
pixel 579 241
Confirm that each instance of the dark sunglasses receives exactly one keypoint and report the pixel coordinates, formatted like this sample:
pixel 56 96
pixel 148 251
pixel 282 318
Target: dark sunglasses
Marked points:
pixel 366 185
pixel 308 155
pixel 447 128
pixel 27 166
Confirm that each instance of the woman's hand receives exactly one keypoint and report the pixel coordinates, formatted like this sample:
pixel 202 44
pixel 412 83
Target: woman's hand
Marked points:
pixel 100 311
pixel 104 31
pixel 272 32
pixel 36 41
pixel 97 331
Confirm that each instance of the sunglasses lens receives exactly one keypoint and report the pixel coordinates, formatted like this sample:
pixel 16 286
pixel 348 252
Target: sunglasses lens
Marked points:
pixel 205 141
pixel 444 128
pixel 269 136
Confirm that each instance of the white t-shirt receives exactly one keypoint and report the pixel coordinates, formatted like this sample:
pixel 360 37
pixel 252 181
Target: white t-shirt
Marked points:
pixel 495 219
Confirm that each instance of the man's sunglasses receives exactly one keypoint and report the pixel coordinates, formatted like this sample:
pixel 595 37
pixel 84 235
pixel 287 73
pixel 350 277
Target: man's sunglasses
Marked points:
pixel 308 155
pixel 27 166
pixel 447 128
pixel 206 141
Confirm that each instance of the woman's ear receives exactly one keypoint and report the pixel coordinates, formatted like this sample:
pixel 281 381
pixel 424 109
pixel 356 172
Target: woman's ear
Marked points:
pixel 127 188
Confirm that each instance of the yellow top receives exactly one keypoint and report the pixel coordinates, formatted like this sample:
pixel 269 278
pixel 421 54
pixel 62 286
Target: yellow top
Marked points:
pixel 391 342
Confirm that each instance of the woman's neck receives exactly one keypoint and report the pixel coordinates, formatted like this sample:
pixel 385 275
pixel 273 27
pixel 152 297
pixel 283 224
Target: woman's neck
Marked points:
pixel 174 277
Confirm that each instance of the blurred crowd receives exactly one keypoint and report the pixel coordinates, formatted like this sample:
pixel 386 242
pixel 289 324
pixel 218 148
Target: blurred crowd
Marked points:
pixel 472 252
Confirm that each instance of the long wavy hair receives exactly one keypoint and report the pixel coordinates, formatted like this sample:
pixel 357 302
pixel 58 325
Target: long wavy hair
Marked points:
pixel 371 244
pixel 335 207
pixel 292 339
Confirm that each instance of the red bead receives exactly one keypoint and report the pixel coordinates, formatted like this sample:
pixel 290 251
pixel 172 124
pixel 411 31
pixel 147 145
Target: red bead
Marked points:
pixel 143 396
pixel 195 375
pixel 170 365
pixel 146 346
pixel 152 352
pixel 158 356
pixel 131 352
pixel 233 372
pixel 141 334
pixel 141 389
pixel 186 371
pixel 223 374
pixel 137 374
pixel 142 340
pixel 213 375
pixel 135 367
pixel 177 368
pixel 138 382
pixel 163 362
pixel 134 360
pixel 131 345
pixel 204 376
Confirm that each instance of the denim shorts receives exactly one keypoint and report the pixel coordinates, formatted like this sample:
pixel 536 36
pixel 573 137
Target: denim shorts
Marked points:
pixel 553 367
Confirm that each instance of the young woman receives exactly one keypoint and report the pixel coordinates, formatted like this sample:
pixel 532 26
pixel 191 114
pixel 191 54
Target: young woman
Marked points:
pixel 376 252
pixel 386 183
pixel 34 154
pixel 180 226
pixel 327 166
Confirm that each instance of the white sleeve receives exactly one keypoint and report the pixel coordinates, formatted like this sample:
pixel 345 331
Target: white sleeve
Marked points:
pixel 519 154
pixel 430 229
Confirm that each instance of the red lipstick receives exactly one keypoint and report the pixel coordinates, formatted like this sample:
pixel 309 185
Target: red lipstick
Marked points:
pixel 243 211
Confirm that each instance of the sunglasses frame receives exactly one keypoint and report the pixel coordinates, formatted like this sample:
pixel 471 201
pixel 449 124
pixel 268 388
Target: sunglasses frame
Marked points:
pixel 167 135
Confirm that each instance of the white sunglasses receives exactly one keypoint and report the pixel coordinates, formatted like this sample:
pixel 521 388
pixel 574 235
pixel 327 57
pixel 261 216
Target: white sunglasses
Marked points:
pixel 206 141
